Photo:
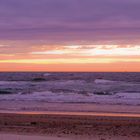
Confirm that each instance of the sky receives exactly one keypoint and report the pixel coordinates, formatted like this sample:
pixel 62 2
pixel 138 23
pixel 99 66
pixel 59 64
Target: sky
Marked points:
pixel 70 35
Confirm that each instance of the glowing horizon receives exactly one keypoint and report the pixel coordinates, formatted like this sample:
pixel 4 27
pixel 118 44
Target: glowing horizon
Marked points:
pixel 50 56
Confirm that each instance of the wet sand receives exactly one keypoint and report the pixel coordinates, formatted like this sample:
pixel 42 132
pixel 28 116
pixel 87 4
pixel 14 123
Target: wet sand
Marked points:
pixel 70 125
pixel 63 107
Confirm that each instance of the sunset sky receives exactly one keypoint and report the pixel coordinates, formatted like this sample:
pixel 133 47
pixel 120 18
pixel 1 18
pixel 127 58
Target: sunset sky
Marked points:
pixel 70 35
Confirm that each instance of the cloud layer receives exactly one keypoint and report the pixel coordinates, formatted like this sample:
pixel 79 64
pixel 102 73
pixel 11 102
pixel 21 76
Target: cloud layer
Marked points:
pixel 74 20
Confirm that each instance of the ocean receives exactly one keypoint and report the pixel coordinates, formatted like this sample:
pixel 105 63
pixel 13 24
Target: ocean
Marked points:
pixel 71 87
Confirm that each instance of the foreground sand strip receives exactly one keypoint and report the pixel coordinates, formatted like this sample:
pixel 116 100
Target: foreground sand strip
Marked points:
pixel 75 123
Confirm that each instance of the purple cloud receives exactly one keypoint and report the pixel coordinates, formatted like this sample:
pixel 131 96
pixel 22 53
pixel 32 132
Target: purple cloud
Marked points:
pixel 73 20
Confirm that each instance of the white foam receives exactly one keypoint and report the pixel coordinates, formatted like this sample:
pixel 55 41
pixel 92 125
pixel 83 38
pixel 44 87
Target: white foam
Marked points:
pixel 123 96
pixel 103 81
pixel 46 74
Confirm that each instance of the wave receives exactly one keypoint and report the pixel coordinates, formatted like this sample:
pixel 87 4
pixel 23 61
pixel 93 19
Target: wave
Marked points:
pixel 95 91
pixel 47 96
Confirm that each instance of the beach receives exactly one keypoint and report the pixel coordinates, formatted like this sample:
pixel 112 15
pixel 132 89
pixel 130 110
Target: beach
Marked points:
pixel 70 125
pixel 36 137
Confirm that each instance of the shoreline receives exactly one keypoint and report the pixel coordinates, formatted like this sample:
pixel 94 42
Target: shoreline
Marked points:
pixel 64 107
pixel 76 113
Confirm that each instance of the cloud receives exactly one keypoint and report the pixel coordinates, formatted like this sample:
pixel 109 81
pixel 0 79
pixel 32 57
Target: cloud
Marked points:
pixel 3 45
pixel 38 49
pixel 69 61
pixel 93 50
pixel 74 20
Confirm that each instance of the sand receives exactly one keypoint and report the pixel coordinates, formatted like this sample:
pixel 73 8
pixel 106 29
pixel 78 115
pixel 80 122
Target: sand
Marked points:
pixel 69 126
pixel 35 137
pixel 27 137
pixel 73 107
pixel 66 121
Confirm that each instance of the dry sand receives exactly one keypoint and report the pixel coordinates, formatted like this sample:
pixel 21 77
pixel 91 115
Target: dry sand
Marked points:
pixel 69 126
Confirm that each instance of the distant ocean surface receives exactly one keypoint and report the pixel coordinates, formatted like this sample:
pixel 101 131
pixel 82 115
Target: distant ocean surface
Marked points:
pixel 72 87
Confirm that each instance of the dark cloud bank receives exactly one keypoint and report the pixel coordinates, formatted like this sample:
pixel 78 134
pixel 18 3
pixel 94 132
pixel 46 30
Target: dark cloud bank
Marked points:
pixel 70 20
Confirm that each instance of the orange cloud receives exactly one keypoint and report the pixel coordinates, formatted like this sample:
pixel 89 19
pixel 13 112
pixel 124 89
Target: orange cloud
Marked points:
pixel 71 57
